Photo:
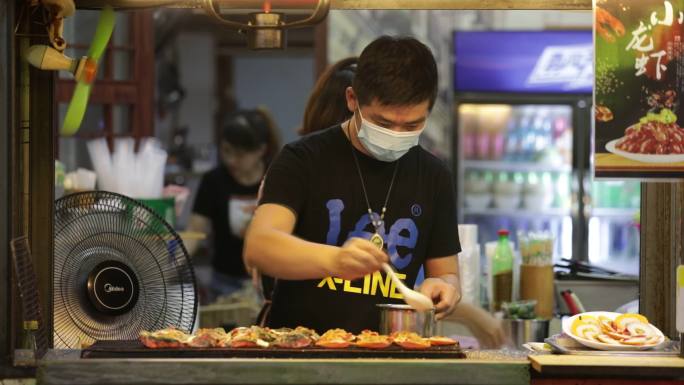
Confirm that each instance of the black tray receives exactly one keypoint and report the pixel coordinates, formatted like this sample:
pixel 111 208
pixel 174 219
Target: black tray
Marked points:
pixel 135 349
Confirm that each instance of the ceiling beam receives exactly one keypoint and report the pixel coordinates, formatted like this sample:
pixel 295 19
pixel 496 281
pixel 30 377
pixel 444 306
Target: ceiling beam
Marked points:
pixel 462 4
pixel 351 4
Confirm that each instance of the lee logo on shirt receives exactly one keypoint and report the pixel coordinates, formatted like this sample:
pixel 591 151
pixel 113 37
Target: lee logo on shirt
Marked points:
pixel 402 233
pixel 372 285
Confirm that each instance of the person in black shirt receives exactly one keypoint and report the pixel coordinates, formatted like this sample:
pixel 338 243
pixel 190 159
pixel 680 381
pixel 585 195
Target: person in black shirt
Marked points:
pixel 327 105
pixel 339 203
pixel 226 197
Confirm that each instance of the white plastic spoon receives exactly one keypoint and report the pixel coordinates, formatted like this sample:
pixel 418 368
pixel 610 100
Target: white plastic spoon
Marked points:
pixel 416 300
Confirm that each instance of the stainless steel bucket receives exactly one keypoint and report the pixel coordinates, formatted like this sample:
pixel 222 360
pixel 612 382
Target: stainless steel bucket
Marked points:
pixel 394 318
pixel 520 331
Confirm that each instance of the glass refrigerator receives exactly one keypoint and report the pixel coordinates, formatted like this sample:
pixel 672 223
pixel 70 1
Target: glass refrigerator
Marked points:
pixel 522 146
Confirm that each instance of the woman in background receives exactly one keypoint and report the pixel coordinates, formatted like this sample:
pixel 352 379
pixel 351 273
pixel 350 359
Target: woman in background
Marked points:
pixel 325 108
pixel 227 195
pixel 327 105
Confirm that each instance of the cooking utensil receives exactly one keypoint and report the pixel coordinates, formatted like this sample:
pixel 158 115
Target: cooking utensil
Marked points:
pixel 396 318
pixel 416 300
pixel 521 331
pixel 575 267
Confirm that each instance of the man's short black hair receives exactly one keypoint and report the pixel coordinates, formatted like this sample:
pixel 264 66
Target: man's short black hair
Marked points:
pixel 396 71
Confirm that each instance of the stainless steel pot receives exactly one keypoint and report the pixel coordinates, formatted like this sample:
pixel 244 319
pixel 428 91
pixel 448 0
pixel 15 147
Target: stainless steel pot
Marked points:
pixel 395 318
pixel 521 331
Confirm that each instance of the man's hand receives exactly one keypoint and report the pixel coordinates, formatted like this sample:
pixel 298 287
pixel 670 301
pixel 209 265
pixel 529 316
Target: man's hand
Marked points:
pixel 271 247
pixel 356 258
pixel 444 295
pixel 486 328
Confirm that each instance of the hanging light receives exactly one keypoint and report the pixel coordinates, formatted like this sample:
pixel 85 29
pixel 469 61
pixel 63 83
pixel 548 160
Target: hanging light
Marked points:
pixel 267 29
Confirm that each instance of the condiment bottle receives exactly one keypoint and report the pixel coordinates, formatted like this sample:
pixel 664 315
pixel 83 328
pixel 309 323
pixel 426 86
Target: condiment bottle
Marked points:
pixel 502 270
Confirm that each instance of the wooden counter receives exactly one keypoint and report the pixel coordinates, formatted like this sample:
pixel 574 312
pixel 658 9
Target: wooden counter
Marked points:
pixel 483 367
pixel 65 367
pixel 618 367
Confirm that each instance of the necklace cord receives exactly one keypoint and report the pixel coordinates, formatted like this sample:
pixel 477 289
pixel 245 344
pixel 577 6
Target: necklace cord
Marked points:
pixel 363 185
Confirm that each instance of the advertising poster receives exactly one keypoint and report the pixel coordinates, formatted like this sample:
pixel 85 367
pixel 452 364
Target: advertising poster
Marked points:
pixel 639 80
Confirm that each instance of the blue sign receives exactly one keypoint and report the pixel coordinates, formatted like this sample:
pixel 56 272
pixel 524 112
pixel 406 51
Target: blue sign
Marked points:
pixel 529 62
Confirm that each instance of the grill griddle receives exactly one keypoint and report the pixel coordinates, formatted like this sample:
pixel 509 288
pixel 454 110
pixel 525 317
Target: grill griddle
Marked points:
pixel 135 349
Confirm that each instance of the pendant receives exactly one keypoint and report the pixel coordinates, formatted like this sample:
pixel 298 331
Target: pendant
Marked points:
pixel 376 239
pixel 376 220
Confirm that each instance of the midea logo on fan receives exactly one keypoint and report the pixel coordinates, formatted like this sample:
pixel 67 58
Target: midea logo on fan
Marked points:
pixel 109 288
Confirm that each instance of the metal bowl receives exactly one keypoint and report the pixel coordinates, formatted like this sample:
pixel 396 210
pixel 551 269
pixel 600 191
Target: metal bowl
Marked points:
pixel 521 331
pixel 395 318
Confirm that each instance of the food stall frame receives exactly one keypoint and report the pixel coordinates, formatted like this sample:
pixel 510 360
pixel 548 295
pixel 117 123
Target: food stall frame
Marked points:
pixel 27 145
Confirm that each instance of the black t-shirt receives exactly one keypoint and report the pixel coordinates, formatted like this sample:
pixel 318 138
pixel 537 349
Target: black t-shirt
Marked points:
pixel 316 178
pixel 217 191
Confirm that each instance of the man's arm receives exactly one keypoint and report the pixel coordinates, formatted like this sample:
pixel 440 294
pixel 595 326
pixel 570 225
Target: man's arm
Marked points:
pixel 271 248
pixel 442 284
pixel 485 327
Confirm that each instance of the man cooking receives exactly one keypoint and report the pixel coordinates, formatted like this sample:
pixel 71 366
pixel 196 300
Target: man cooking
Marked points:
pixel 339 203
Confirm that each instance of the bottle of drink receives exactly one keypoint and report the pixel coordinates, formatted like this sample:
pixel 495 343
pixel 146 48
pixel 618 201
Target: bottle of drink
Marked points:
pixel 502 271
pixel 26 354
pixel 563 190
pixel 527 135
pixel 548 195
pixel 519 178
pixel 542 128
pixel 488 177
pixel 635 199
pixel 512 140
pixel 596 194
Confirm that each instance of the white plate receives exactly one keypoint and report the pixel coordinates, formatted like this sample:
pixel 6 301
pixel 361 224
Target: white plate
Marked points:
pixel 567 329
pixel 644 158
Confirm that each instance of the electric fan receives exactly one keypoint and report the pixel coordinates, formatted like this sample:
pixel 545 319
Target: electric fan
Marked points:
pixel 83 69
pixel 119 268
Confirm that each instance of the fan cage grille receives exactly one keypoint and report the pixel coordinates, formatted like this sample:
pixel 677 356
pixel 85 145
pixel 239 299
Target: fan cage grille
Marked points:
pixel 92 227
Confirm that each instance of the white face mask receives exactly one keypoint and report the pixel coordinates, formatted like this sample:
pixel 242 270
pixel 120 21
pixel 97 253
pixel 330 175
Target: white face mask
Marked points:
pixel 385 144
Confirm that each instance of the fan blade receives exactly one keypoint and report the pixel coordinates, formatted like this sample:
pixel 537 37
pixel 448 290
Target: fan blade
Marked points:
pixel 76 109
pixel 105 26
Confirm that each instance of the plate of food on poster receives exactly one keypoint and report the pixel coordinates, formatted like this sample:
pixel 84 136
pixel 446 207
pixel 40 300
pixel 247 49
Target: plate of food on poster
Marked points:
pixel 639 122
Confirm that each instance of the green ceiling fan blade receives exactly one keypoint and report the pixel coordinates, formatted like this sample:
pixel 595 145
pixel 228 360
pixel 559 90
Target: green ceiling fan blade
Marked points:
pixel 79 101
pixel 76 109
pixel 103 32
